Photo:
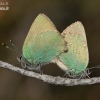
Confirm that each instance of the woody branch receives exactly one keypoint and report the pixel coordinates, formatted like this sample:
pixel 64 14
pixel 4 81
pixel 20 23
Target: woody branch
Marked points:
pixel 50 79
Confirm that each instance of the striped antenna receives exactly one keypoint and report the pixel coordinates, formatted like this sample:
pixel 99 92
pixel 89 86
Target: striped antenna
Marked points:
pixel 16 49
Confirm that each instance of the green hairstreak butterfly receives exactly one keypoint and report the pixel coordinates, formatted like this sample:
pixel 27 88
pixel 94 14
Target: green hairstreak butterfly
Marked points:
pixel 75 60
pixel 42 44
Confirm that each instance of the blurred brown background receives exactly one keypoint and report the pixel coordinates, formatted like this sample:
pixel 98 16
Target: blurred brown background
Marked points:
pixel 14 25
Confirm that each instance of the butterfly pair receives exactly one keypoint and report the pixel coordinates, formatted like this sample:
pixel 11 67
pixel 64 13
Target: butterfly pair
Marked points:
pixel 44 44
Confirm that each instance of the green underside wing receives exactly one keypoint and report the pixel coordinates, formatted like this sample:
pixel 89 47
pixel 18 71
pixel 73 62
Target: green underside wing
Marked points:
pixel 76 59
pixel 43 42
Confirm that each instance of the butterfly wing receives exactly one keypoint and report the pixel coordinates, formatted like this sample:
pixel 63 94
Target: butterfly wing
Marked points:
pixel 76 59
pixel 43 42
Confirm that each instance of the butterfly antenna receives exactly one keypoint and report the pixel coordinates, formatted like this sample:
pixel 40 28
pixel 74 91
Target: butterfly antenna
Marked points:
pixel 13 44
pixel 10 48
pixel 98 66
pixel 15 47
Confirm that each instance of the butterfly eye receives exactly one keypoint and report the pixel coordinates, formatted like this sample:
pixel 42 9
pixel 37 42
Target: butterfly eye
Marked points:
pixel 20 57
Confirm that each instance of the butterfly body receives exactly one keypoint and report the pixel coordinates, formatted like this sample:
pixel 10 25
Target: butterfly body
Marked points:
pixel 42 44
pixel 75 60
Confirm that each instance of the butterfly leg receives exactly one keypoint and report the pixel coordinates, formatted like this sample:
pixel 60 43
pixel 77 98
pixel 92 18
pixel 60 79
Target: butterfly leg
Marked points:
pixel 41 70
pixel 17 64
pixel 88 73
pixel 67 73
pixel 25 68
pixel 81 76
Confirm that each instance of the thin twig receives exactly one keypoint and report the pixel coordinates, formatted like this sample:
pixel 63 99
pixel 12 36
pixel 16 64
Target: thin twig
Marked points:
pixel 50 79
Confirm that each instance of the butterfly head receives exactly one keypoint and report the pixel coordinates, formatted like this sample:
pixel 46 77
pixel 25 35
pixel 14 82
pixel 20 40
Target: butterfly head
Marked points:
pixel 25 64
